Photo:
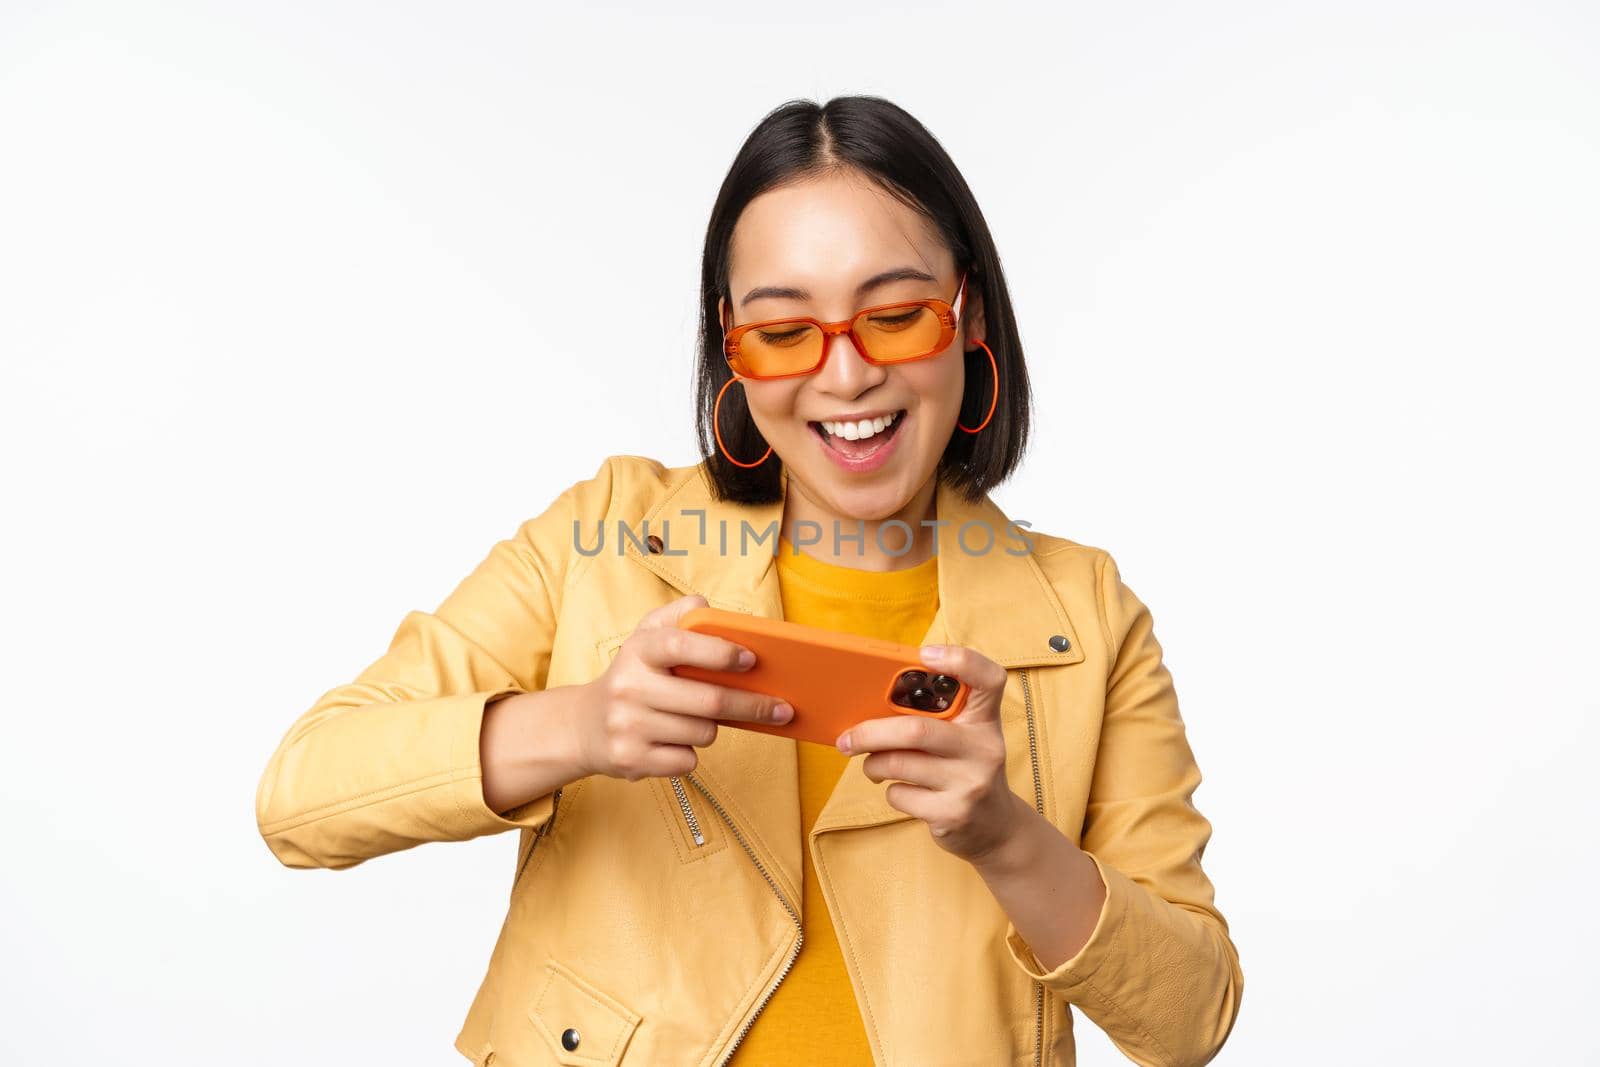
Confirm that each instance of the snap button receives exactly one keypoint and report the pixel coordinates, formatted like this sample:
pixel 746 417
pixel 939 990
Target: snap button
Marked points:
pixel 655 544
pixel 569 1039
pixel 1059 643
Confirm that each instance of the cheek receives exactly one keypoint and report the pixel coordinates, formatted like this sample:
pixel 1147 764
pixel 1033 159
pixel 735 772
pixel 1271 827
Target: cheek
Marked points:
pixel 770 402
pixel 937 383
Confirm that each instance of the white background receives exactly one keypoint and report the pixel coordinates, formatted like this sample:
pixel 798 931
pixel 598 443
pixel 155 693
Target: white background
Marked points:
pixel 304 306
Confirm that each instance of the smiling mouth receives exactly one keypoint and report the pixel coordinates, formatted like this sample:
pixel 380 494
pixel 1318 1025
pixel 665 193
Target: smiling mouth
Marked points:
pixel 859 439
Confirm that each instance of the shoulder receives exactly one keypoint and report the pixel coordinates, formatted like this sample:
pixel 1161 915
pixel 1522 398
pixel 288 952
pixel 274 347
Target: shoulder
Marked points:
pixel 623 487
pixel 626 485
pixel 1065 561
pixel 1090 575
pixel 1089 582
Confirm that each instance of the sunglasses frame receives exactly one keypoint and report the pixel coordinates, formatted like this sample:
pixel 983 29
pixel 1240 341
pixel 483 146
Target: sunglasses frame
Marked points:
pixel 949 321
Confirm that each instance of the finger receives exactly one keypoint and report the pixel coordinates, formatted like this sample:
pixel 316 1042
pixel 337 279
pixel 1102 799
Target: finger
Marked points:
pixel 910 765
pixel 691 696
pixel 916 801
pixel 664 761
pixel 670 728
pixel 669 614
pixel 668 647
pixel 985 678
pixel 940 737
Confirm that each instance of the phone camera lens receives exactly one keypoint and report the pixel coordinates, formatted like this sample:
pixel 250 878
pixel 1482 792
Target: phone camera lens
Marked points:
pixel 914 689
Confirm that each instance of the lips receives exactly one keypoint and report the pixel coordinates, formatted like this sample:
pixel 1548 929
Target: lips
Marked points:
pixel 860 453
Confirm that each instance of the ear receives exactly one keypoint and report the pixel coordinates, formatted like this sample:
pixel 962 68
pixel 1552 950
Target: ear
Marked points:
pixel 973 315
pixel 722 314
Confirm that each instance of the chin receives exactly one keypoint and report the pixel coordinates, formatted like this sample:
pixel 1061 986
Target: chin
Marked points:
pixel 870 503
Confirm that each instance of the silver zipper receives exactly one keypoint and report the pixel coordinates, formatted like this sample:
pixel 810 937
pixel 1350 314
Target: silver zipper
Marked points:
pixel 799 933
pixel 688 812
pixel 1038 804
pixel 538 835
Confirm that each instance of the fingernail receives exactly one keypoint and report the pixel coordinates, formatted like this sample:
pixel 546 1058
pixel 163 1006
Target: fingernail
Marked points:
pixel 843 744
pixel 782 713
pixel 746 659
pixel 932 651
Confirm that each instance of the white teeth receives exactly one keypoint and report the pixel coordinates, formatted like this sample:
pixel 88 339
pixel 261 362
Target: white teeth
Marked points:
pixel 856 431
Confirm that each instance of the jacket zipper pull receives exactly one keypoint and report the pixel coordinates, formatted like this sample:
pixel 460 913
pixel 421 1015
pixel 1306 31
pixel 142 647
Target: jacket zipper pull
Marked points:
pixel 688 812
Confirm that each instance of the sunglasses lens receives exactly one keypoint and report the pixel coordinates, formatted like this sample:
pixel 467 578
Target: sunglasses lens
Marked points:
pixel 909 331
pixel 782 348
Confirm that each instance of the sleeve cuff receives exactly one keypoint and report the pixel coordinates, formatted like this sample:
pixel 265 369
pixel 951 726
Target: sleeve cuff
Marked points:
pixel 478 817
pixel 1094 951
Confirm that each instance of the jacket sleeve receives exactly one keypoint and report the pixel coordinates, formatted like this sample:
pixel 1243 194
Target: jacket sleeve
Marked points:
pixel 1159 974
pixel 390 760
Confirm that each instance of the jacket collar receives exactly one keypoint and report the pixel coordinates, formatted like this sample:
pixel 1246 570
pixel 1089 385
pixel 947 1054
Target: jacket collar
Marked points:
pixel 997 602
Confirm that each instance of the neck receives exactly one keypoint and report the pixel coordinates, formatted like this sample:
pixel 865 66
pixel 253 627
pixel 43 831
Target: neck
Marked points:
pixel 867 544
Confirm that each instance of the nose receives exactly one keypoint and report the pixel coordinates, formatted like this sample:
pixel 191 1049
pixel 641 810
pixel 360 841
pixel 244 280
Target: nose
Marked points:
pixel 844 373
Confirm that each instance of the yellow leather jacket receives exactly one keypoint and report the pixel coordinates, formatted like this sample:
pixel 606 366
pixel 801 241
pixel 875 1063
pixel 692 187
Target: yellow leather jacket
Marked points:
pixel 650 921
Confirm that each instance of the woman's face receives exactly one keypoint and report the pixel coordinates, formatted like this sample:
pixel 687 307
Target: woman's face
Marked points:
pixel 823 239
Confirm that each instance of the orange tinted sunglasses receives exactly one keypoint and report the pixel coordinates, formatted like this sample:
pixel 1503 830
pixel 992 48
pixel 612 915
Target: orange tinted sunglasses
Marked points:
pixel 884 333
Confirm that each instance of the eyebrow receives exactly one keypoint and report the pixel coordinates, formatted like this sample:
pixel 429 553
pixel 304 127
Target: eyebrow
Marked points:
pixel 785 292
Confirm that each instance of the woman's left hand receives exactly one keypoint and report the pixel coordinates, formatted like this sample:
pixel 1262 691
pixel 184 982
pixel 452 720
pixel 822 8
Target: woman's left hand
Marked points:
pixel 951 772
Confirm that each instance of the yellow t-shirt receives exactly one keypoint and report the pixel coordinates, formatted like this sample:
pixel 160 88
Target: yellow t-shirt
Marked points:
pixel 813 1019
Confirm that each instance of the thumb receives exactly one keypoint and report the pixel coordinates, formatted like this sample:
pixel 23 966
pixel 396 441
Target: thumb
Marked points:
pixel 669 614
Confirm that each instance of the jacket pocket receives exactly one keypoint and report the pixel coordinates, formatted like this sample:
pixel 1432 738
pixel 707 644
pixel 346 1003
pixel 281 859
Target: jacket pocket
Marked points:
pixel 579 1023
pixel 694 830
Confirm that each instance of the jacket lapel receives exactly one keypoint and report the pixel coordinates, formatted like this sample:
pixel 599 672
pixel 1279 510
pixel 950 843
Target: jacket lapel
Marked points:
pixel 995 600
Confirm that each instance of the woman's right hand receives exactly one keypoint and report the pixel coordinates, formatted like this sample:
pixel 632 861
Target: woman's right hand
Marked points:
pixel 638 719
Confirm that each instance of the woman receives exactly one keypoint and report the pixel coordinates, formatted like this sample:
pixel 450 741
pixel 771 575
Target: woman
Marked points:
pixel 928 892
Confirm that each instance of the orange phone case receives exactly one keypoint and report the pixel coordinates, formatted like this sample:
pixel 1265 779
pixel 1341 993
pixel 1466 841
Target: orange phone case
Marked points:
pixel 833 680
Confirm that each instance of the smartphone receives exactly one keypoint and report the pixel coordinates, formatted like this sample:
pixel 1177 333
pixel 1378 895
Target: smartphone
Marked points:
pixel 832 680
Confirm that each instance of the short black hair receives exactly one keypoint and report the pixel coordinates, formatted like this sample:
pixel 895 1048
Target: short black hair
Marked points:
pixel 867 134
